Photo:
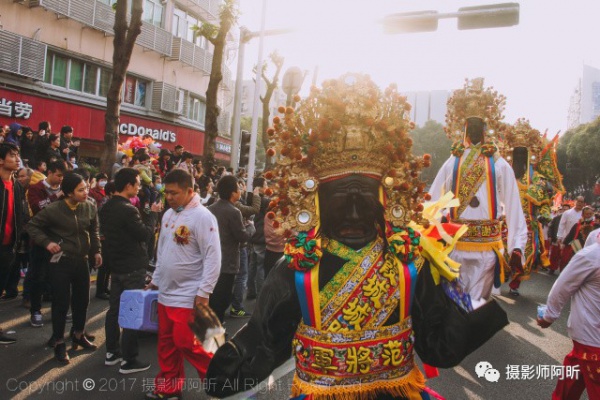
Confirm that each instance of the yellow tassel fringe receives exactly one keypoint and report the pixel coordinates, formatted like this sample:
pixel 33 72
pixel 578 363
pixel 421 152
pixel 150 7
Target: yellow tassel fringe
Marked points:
pixel 408 386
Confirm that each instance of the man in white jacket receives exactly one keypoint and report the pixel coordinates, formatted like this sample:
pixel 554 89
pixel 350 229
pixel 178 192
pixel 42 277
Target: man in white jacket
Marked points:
pixel 580 283
pixel 187 269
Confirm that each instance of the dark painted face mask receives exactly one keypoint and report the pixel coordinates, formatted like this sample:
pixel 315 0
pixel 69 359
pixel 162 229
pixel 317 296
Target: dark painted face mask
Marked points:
pixel 475 128
pixel 519 162
pixel 350 210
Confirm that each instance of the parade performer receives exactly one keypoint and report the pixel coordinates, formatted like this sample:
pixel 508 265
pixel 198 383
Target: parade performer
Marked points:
pixel 483 182
pixel 359 287
pixel 534 166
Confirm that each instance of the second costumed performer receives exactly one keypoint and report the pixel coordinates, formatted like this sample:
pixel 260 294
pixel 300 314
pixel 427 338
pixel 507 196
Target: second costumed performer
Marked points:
pixel 359 289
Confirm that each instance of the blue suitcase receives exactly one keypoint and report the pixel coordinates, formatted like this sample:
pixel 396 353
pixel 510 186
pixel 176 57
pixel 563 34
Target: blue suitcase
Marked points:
pixel 139 310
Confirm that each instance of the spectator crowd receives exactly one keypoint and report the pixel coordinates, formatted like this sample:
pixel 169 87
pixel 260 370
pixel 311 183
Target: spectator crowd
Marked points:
pixel 159 220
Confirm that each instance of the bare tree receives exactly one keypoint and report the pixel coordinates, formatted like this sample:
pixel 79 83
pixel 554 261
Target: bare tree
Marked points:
pixel 125 36
pixel 271 85
pixel 218 37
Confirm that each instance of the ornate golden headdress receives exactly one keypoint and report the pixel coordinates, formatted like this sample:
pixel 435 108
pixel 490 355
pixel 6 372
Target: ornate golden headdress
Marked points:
pixel 348 127
pixel 474 101
pixel 521 134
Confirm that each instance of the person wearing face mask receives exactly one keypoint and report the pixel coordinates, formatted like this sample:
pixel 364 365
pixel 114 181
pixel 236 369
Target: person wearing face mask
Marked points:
pixel 97 192
pixel 483 182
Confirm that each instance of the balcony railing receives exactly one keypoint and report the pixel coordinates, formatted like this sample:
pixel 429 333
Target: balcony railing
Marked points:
pixel 22 56
pixel 190 54
pixel 197 57
pixel 102 17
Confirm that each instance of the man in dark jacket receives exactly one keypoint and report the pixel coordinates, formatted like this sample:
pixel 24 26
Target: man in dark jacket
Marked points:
pixel 232 232
pixel 125 237
pixel 67 144
pixel 11 216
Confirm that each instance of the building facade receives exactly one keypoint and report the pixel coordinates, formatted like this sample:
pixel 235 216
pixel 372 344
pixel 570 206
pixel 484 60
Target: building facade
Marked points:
pixel 428 105
pixel 55 65
pixel 584 106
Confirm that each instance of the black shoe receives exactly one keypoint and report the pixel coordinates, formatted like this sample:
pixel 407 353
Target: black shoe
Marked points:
pixel 60 353
pixel 102 296
pixel 131 367
pixel 89 337
pixel 112 359
pixel 83 342
pixel 4 339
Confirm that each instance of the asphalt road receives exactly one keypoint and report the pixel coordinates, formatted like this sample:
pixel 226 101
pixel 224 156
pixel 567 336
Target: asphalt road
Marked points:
pixel 28 371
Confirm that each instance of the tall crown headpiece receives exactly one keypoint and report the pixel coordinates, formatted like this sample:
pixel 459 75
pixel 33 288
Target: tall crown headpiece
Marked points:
pixel 521 134
pixel 348 127
pixel 473 100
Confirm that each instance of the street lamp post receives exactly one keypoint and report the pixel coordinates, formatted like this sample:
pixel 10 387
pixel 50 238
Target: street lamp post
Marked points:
pixel 245 37
pixel 254 132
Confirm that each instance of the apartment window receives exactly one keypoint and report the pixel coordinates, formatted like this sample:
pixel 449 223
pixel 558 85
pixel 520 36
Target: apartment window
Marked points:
pixel 76 75
pixel 59 71
pixel 90 81
pixel 197 109
pixel 153 12
pixel 80 76
pixel 105 77
pixel 182 27
pixel 135 91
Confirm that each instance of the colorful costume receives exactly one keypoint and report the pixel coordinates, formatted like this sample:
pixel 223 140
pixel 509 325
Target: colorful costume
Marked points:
pixel 359 287
pixel 534 161
pixel 484 183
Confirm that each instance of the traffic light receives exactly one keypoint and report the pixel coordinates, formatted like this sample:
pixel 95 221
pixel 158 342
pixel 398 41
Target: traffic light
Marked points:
pixel 410 22
pixel 488 16
pixel 244 149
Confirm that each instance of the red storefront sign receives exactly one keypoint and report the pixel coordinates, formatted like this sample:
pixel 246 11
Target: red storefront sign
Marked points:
pixel 88 122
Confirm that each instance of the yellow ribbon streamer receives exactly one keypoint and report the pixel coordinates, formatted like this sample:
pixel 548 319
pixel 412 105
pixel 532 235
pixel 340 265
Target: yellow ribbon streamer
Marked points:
pixel 434 251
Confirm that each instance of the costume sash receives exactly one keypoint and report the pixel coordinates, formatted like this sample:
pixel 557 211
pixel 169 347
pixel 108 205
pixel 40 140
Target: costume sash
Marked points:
pixel 468 176
pixel 364 292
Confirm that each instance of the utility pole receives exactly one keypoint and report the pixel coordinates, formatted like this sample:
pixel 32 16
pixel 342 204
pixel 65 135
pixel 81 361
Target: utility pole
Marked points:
pixel 245 37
